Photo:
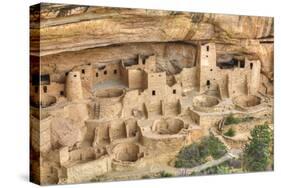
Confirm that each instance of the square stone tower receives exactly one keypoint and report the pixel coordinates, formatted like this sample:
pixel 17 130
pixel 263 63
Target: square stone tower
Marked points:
pixel 207 67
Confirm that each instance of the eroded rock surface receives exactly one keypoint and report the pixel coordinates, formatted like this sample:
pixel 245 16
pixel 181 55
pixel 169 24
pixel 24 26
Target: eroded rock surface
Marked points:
pixel 80 30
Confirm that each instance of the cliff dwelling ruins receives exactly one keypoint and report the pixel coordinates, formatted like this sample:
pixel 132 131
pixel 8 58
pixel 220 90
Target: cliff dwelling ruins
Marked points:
pixel 123 105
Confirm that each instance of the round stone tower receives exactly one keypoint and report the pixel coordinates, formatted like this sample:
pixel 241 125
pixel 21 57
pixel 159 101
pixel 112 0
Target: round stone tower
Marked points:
pixel 74 86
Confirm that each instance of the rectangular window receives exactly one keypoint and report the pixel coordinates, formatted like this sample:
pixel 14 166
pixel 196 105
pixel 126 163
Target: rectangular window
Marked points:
pixel 115 71
pixel 45 79
pixel 242 64
pixel 174 91
pixel 45 89
pixel 97 74
pixel 153 92
pixel 105 72
pixel 83 71
pixel 207 48
pixel 62 93
pixel 251 65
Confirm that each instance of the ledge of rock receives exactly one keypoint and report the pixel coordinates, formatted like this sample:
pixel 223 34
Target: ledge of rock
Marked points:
pixel 78 34
pixel 71 28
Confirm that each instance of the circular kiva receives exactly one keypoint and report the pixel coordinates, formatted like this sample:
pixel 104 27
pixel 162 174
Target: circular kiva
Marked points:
pixel 205 101
pixel 127 152
pixel 168 126
pixel 109 93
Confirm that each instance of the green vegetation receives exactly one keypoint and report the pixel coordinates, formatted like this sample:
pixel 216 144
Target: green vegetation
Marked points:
pixel 164 174
pixel 230 132
pixel 231 120
pixel 213 147
pixel 257 156
pixel 196 153
pixel 226 167
pixel 190 156
pixel 235 120
pixel 220 169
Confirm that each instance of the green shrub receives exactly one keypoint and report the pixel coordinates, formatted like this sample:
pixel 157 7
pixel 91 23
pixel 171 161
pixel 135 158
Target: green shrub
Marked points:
pixel 219 169
pixel 223 168
pixel 230 132
pixel 257 153
pixel 235 120
pixel 164 174
pixel 189 157
pixel 196 153
pixel 215 148
pixel 231 120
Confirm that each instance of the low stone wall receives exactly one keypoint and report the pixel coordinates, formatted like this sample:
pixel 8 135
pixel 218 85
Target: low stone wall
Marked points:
pixel 207 121
pixel 127 166
pixel 90 170
pixel 40 133
pixel 157 144
pixel 107 96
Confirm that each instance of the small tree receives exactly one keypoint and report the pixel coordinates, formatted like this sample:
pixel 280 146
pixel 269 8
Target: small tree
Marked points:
pixel 257 152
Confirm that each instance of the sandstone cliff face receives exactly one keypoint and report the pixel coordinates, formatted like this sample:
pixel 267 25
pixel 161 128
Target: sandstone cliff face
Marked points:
pixel 72 34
